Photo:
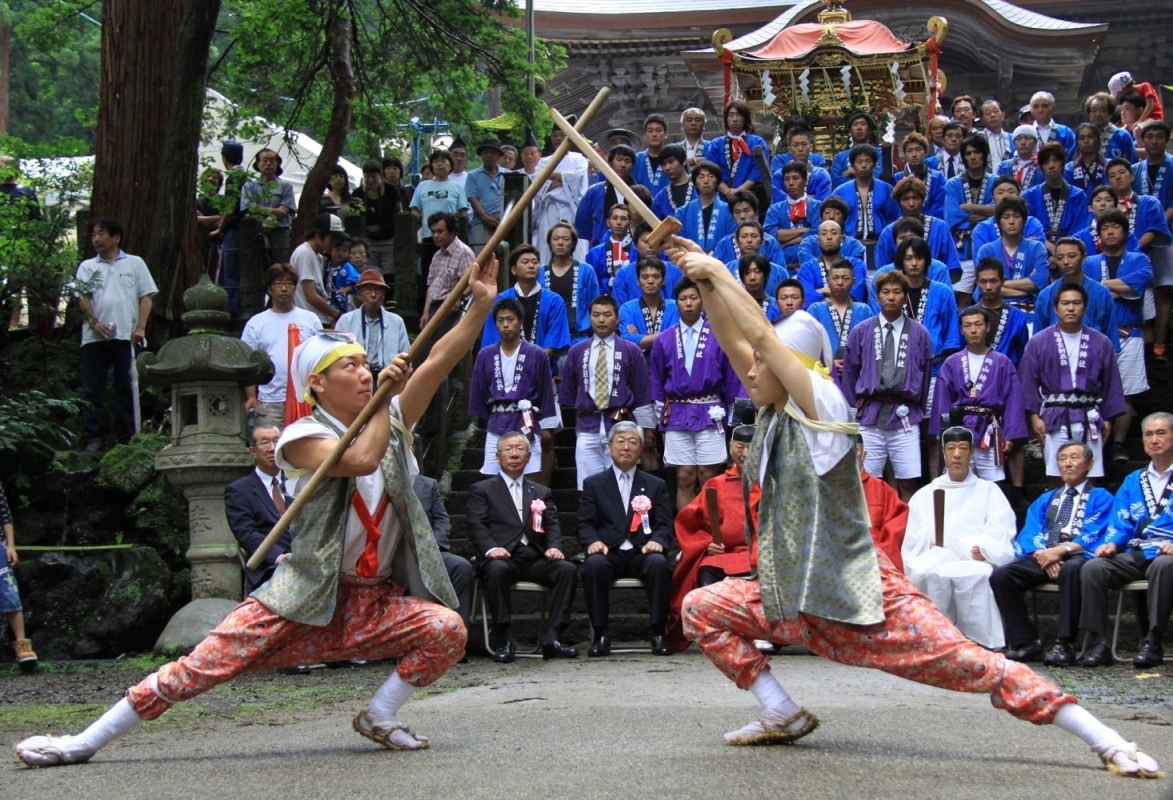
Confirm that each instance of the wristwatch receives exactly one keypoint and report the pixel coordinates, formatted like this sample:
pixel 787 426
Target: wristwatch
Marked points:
pixel 1067 548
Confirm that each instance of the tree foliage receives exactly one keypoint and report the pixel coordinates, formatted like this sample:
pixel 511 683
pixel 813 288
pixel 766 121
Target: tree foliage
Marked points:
pixel 403 53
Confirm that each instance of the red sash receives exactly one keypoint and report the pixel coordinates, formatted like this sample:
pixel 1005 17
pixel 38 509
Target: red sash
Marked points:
pixel 368 562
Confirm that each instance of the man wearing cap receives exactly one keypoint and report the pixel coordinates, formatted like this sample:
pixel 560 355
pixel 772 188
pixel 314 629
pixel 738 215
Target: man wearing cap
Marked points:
pixel 1024 165
pixel 1121 85
pixel 271 200
pixel 364 578
pixel 860 127
pixel 484 187
pixel 232 156
pixel 309 262
pixel 268 331
pixel 704 561
pixel 380 332
pixel 819 575
pixel 978 535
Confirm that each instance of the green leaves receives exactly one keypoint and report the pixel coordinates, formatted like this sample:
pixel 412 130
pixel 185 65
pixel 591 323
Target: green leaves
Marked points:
pixel 32 421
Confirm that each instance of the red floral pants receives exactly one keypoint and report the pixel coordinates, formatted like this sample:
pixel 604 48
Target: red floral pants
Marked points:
pixel 914 641
pixel 370 621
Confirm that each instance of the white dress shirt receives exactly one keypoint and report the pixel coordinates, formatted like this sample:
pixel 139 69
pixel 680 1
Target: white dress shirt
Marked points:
pixel 625 481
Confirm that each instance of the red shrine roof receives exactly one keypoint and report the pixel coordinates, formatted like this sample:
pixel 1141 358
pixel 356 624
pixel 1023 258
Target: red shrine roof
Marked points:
pixel 863 37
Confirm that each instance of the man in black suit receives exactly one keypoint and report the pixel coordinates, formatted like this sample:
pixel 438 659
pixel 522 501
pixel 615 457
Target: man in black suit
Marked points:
pixel 460 571
pixel 513 524
pixel 254 503
pixel 625 526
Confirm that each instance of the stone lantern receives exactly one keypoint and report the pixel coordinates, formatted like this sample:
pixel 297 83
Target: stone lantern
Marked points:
pixel 206 370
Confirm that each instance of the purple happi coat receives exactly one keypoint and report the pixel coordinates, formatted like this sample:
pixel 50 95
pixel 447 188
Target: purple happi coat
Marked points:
pixel 531 382
pixel 630 386
pixel 995 387
pixel 861 373
pixel 1047 388
pixel 688 398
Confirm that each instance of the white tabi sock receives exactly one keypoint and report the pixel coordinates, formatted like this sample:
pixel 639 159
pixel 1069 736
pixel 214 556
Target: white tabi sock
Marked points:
pixel 774 699
pixel 385 705
pixel 120 719
pixel 1077 720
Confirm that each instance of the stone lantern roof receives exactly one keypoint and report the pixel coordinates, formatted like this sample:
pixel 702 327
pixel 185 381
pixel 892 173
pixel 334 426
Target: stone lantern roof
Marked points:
pixel 207 353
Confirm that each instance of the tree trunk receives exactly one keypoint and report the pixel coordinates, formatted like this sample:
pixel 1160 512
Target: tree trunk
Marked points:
pixel 140 47
pixel 342 74
pixel 5 60
pixel 173 252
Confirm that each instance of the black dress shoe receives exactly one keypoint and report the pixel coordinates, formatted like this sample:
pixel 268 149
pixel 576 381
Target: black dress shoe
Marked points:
pixel 555 649
pixel 600 647
pixel 1100 655
pixel 660 645
pixel 1030 652
pixel 300 669
pixel 1062 654
pixel 506 653
pixel 1151 654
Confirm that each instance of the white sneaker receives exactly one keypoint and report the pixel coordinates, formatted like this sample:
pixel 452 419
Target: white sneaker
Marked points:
pixel 53 751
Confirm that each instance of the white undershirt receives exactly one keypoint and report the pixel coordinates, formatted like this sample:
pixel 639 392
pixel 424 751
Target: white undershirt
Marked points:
pixel 1157 480
pixel 1080 491
pixel 509 365
pixel 1071 345
pixel 975 365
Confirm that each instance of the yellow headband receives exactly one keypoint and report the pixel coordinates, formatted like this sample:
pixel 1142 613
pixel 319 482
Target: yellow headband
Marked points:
pixel 337 353
pixel 810 363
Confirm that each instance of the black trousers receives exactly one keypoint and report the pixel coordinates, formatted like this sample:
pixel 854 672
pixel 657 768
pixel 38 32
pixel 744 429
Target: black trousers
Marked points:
pixel 463 576
pixel 707 576
pixel 1101 575
pixel 528 563
pixel 600 571
pixel 1009 583
pixel 97 359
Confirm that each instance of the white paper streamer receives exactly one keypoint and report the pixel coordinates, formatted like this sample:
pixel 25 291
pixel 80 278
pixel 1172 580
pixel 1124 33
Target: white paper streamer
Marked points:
pixel 767 89
pixel 890 129
pixel 846 73
pixel 897 84
pixel 804 86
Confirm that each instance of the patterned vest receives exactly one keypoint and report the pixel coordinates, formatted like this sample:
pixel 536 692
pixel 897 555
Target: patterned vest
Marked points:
pixel 305 586
pixel 815 550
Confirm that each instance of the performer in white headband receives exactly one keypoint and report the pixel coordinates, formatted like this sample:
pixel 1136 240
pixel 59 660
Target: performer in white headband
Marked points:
pixel 820 582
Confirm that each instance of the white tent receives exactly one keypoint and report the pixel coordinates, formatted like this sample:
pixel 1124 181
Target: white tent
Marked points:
pixel 298 151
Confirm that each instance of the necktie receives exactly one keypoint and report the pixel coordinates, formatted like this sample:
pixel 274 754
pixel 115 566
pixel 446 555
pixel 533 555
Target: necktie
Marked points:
pixel 1064 516
pixel 952 169
pixel 278 500
pixel 602 390
pixel 689 349
pixel 625 489
pixel 515 490
pixel 888 358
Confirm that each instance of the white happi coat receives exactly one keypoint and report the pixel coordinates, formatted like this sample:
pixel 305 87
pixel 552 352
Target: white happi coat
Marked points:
pixel 976 514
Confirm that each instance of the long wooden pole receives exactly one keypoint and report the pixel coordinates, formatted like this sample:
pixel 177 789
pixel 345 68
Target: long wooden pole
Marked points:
pixel 714 508
pixel 382 395
pixel 663 229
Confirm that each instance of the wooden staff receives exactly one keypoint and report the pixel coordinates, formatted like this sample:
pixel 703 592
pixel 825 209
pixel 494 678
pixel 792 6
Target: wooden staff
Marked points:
pixel 939 515
pixel 663 229
pixel 714 514
pixel 382 395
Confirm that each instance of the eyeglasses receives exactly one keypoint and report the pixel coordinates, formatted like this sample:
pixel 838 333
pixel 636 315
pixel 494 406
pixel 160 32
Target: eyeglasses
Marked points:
pixel 626 442
pixel 514 448
pixel 265 444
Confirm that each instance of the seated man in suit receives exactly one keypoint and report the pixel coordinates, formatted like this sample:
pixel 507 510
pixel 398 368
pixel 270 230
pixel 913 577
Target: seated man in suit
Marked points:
pixel 625 527
pixel 513 524
pixel 254 503
pixel 460 572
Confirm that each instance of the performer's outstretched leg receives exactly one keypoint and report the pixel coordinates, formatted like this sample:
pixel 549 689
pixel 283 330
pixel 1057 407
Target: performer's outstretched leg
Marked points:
pixel 370 621
pixel 915 642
